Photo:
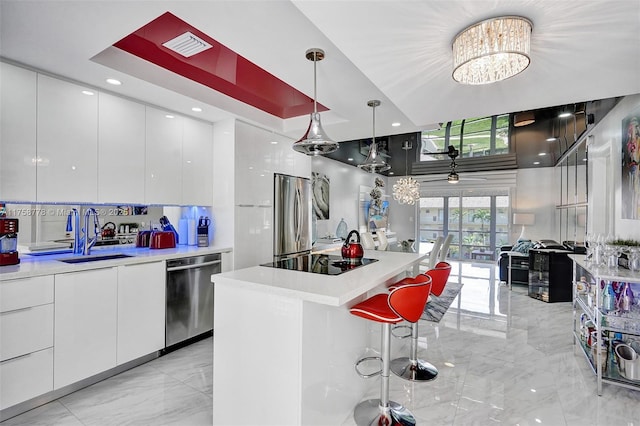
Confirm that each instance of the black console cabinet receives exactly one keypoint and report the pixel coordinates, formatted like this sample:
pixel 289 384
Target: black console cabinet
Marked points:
pixel 550 275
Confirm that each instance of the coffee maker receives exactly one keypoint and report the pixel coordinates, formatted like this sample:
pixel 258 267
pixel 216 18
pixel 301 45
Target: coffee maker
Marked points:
pixel 8 241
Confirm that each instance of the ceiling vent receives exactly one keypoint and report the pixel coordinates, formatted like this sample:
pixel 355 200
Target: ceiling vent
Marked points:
pixel 187 44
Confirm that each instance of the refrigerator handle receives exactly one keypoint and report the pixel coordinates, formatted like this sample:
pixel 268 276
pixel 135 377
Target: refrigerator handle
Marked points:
pixel 298 215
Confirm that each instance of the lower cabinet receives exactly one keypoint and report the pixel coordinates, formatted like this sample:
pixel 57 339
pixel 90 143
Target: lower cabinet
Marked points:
pixel 26 339
pixel 26 377
pixel 85 324
pixel 141 310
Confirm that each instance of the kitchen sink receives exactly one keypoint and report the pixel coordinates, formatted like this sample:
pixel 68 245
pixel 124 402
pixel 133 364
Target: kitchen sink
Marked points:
pixel 85 259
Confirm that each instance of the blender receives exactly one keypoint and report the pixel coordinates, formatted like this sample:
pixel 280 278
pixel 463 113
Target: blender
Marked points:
pixel 8 241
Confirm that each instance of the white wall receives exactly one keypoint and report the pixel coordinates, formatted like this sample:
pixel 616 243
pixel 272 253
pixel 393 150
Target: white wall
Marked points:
pixel 223 186
pixel 344 190
pixel 605 159
pixel 537 191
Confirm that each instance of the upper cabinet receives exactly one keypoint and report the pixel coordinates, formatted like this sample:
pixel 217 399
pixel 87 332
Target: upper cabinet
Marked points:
pixel 67 142
pixel 121 150
pixel 61 142
pixel 17 133
pixel 197 163
pixel 163 180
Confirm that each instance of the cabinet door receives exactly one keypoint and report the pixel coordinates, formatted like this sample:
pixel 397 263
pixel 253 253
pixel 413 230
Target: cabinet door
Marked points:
pixel 256 160
pixel 25 377
pixel 67 142
pixel 197 163
pixel 163 153
pixel 17 133
pixel 121 150
pixel 85 324
pixel 141 310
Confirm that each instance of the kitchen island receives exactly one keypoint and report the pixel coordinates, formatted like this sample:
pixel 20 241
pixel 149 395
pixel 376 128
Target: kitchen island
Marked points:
pixel 285 343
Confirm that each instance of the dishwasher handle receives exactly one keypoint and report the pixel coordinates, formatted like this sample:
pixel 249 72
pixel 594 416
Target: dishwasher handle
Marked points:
pixel 194 266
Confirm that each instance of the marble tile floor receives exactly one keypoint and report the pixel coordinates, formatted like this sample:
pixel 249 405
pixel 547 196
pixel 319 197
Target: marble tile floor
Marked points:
pixel 504 358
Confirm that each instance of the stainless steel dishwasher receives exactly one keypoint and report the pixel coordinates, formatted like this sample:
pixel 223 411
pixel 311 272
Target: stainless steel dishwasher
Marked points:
pixel 190 297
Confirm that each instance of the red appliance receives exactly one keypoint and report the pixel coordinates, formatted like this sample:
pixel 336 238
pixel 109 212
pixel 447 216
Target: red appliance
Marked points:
pixel 142 240
pixel 9 242
pixel 352 250
pixel 162 240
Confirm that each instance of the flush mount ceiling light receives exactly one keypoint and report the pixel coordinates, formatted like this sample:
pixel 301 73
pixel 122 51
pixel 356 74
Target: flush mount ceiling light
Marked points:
pixel 492 50
pixel 406 190
pixel 374 163
pixel 523 118
pixel 315 141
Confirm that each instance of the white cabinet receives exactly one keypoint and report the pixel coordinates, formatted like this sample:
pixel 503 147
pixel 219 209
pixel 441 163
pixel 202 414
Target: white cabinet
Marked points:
pixel 258 155
pixel 67 142
pixel 85 324
pixel 197 163
pixel 141 310
pixel 121 150
pixel 26 339
pixel 17 133
pixel 163 165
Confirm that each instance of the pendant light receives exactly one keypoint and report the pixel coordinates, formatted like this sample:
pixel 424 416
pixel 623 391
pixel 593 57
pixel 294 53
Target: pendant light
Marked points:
pixel 315 141
pixel 374 163
pixel 406 190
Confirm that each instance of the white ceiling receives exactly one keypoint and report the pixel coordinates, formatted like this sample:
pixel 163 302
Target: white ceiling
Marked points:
pixel 396 51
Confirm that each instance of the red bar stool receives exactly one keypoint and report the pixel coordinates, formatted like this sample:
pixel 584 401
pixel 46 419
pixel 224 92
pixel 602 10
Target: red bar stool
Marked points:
pixel 406 303
pixel 412 368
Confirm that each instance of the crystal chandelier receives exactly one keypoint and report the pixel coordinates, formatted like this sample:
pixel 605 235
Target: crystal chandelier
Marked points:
pixel 492 50
pixel 374 162
pixel 315 141
pixel 406 190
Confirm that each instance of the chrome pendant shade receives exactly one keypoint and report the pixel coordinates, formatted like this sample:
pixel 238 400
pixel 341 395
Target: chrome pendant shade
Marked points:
pixel 315 141
pixel 492 50
pixel 374 163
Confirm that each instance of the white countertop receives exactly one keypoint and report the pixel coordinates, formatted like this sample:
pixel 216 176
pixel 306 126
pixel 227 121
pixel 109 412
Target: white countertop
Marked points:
pixel 334 290
pixel 31 266
pixel 621 274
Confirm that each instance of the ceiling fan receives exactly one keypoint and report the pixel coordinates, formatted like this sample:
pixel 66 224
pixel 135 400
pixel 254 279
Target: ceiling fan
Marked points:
pixel 453 176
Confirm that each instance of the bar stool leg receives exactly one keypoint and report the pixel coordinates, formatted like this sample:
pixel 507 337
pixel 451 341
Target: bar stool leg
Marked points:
pixel 411 368
pixel 382 411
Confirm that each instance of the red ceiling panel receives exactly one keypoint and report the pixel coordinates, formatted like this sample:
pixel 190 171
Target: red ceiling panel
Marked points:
pixel 218 68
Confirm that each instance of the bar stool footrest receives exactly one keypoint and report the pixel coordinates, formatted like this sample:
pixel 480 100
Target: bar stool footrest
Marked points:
pixel 368 358
pixel 395 329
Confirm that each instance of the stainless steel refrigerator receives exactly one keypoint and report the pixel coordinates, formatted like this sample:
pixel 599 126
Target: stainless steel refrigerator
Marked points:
pixel 292 216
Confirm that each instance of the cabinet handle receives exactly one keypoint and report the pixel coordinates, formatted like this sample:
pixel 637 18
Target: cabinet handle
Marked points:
pixel 246 205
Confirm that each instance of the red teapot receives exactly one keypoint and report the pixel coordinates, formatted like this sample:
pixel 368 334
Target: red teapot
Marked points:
pixel 352 250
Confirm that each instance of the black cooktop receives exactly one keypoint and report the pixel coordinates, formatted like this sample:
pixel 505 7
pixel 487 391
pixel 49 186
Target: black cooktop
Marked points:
pixel 320 264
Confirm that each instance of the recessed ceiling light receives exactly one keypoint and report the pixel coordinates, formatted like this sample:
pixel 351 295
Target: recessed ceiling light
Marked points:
pixel 114 81
pixel 196 109
pixel 551 139
pixel 564 114
pixel 390 173
pixel 88 92
pixel 349 159
pixel 169 116
pixel 535 163
pixel 584 159
pixel 542 154
pixel 274 142
pixel 396 124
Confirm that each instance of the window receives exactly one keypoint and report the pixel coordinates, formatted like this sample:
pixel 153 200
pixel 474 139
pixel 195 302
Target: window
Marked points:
pixel 472 137
pixel 479 224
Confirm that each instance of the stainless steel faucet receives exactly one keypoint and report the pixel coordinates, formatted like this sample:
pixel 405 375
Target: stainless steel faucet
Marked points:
pixel 89 242
pixel 75 227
